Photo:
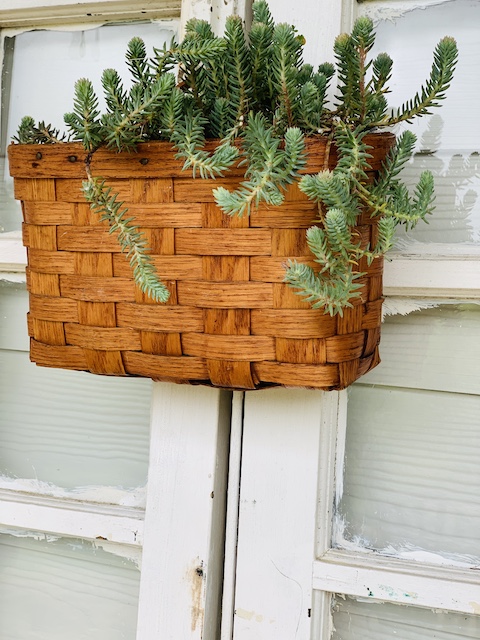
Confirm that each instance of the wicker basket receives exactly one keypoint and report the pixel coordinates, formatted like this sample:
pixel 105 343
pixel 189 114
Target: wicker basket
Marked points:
pixel 230 322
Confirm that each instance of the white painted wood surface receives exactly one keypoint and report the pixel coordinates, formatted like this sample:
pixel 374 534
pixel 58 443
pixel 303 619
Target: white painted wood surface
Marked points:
pixel 63 517
pixel 398 581
pixel 278 502
pixel 41 13
pixel 185 513
pixel 232 516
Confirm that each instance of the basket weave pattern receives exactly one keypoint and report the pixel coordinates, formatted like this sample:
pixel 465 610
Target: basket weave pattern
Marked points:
pixel 230 321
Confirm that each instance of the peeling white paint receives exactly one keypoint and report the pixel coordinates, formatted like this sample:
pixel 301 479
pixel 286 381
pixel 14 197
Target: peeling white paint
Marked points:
pixel 100 495
pixel 127 552
pixel 379 10
pixel 393 306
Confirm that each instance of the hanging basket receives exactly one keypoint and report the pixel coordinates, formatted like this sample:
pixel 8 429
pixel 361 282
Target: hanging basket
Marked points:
pixel 230 321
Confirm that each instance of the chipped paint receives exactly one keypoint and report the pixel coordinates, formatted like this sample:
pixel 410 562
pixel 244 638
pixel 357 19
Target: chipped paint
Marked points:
pixel 395 594
pixel 475 607
pixel 393 306
pixel 378 10
pixel 127 552
pixel 97 494
pixel 249 615
pixel 195 575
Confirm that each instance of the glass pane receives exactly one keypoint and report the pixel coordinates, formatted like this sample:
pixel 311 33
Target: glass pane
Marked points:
pixel 411 461
pixel 436 349
pixel 449 141
pixel 72 428
pixel 46 65
pixel 355 620
pixel 13 316
pixel 65 589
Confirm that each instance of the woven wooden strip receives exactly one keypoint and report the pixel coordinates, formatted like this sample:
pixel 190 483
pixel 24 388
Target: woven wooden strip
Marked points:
pixel 351 321
pixel 372 317
pixel 249 242
pixel 152 190
pixel 228 347
pixel 40 237
pixel 166 215
pixel 272 268
pixel 226 268
pixel 101 338
pixel 309 351
pixel 163 344
pixel 30 324
pixel 52 213
pixel 293 323
pixel 289 242
pixel 214 218
pixel 284 297
pixel 325 376
pixel 55 309
pixel 375 288
pixel 159 317
pixel 29 188
pixel 168 267
pixel 161 367
pixel 97 314
pixel 373 269
pixel 105 362
pixel 47 355
pixel 97 289
pixel 293 194
pixel 363 235
pixel 87 239
pixel 348 372
pixel 43 284
pixel 188 189
pixel 71 191
pixel 51 261
pixel 144 299
pixel 231 373
pixel 48 332
pixel 160 241
pixel 89 263
pixel 288 215
pixel 346 347
pixel 229 295
pixel 234 322
pixel 369 362
pixel 83 216
pixel 152 160
pixel 372 340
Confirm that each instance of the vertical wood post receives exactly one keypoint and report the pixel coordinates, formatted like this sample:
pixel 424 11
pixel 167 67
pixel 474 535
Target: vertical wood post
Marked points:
pixel 182 564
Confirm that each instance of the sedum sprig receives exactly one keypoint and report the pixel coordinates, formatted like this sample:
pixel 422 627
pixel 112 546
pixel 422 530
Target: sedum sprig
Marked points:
pixel 104 202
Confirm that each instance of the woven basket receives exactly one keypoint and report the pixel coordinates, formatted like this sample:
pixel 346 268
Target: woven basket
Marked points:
pixel 230 322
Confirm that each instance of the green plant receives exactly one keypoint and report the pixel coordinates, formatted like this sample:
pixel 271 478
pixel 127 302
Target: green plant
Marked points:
pixel 254 93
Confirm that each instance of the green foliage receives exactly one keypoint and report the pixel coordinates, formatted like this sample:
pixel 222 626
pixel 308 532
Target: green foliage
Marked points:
pixel 254 93
pixel 30 133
